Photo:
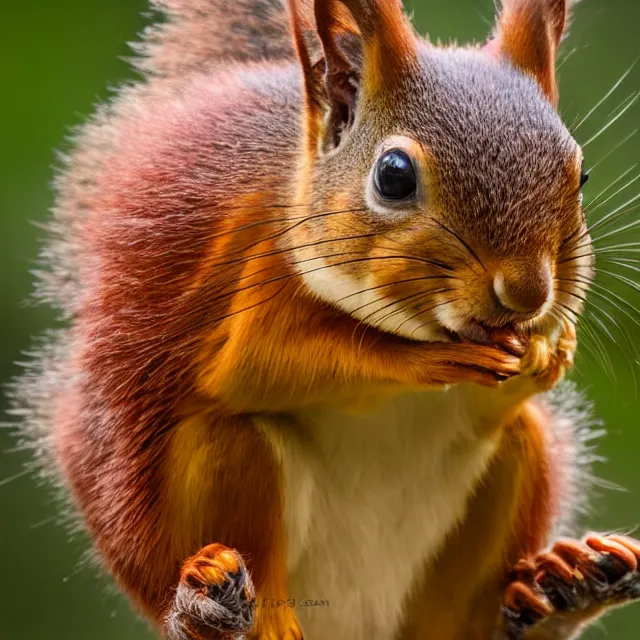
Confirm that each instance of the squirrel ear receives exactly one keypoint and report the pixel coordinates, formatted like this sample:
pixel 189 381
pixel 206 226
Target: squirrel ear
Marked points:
pixel 529 34
pixel 365 45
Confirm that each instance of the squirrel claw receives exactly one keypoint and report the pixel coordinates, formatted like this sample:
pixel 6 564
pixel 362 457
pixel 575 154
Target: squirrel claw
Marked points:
pixel 571 584
pixel 510 342
pixel 215 597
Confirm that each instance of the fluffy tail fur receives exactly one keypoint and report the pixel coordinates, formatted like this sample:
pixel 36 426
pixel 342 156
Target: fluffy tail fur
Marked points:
pixel 199 33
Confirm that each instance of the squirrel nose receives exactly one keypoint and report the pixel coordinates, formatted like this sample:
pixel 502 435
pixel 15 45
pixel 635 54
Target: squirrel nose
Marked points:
pixel 523 286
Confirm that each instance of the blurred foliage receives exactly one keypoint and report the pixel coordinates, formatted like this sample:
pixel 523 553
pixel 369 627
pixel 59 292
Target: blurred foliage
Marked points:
pixel 57 60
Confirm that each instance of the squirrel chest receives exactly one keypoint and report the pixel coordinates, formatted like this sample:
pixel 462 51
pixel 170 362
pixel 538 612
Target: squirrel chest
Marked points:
pixel 369 499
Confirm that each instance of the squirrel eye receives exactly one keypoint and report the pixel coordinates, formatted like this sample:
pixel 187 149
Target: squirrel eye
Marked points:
pixel 584 178
pixel 395 176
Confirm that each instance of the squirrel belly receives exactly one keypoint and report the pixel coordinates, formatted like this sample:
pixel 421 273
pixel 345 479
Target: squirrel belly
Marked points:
pixel 431 512
pixel 369 500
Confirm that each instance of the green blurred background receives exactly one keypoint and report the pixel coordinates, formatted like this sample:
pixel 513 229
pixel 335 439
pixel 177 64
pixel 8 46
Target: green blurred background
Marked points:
pixel 56 60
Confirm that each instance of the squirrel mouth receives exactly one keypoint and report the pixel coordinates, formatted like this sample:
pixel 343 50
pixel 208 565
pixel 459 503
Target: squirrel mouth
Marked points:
pixel 508 338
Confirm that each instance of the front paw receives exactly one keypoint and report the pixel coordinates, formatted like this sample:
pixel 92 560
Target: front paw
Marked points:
pixel 215 598
pixel 547 364
pixel 572 584
pixel 448 364
pixel 543 364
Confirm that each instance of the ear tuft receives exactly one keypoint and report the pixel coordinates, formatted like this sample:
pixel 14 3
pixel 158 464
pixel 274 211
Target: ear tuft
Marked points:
pixel 528 34
pixel 365 47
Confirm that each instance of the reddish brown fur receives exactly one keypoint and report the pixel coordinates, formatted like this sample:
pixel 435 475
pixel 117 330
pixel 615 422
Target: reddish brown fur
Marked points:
pixel 137 377
pixel 190 316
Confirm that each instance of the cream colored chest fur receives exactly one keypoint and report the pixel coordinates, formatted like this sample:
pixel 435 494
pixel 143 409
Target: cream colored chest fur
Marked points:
pixel 369 499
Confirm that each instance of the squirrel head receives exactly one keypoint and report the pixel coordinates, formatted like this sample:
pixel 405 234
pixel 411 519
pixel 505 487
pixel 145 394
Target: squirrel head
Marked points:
pixel 441 190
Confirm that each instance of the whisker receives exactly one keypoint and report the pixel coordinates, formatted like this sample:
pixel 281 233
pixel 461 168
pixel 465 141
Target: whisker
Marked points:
pixel 627 264
pixel 409 256
pixel 297 224
pixel 630 102
pixel 599 349
pixel 289 276
pixel 565 58
pixel 567 308
pixel 588 316
pixel 631 225
pixel 624 246
pixel 462 242
pixel 605 360
pixel 316 243
pixel 599 291
pixel 623 279
pixel 285 250
pixel 391 284
pixel 386 317
pixel 613 150
pixel 591 311
pixel 577 280
pixel 422 312
pixel 394 303
pixel 588 206
pixel 262 222
pixel 194 307
pixel 613 195
pixel 606 97
pixel 15 476
pixel 277 252
pixel 610 218
pixel 559 312
pixel 602 325
pixel 572 243
pixel 572 294
pixel 618 212
pixel 419 297
pixel 253 306
pixel 591 254
pixel 633 350
pixel 258 208
pixel 626 207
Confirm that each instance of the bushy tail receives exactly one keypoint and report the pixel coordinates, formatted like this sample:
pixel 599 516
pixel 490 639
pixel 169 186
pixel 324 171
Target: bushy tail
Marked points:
pixel 198 33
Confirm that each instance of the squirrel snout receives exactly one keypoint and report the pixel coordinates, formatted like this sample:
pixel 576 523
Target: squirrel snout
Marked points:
pixel 524 286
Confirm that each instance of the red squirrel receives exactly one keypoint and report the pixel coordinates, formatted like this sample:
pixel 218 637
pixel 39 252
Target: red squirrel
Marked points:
pixel 321 277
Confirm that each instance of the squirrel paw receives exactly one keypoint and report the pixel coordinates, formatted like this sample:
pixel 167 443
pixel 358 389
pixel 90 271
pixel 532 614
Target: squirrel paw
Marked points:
pixel 215 598
pixel 446 364
pixel 544 364
pixel 567 345
pixel 563 589
pixel 541 364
